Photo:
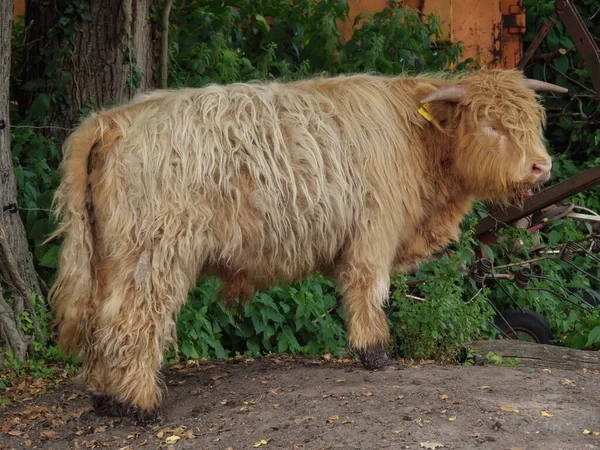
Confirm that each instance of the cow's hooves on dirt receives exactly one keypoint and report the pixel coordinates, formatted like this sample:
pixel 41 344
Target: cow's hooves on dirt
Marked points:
pixel 105 405
pixel 373 359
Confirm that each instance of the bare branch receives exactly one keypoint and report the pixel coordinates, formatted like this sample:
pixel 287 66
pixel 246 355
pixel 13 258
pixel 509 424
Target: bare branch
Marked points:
pixel 164 43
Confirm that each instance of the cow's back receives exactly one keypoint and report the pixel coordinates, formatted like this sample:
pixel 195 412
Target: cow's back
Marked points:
pixel 271 176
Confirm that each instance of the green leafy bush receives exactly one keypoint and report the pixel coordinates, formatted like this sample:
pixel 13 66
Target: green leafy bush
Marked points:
pixel 300 319
pixel 455 310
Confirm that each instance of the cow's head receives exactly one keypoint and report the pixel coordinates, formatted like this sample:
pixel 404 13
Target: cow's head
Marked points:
pixel 497 123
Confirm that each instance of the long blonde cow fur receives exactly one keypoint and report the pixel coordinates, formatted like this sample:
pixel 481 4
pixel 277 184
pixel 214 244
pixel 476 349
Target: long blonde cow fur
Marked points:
pixel 258 183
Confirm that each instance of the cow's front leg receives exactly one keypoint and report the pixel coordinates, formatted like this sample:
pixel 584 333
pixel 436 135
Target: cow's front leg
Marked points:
pixel 365 288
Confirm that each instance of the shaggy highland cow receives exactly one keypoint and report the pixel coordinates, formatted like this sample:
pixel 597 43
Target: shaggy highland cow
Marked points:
pixel 258 183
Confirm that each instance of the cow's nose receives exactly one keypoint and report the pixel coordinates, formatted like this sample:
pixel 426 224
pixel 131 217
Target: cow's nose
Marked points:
pixel 541 171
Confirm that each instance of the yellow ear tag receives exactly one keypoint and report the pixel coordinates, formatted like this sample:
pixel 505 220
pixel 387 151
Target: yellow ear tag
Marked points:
pixel 424 111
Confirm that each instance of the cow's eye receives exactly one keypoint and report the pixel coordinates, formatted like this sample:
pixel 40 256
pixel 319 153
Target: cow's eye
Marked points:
pixel 491 131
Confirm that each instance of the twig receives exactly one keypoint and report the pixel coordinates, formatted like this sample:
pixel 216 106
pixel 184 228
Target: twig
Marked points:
pixel 329 311
pixel 573 80
pixel 545 57
pixel 164 43
pixel 567 114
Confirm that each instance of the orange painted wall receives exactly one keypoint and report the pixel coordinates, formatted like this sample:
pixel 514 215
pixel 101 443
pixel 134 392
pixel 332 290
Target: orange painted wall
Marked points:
pixel 477 23
pixel 19 8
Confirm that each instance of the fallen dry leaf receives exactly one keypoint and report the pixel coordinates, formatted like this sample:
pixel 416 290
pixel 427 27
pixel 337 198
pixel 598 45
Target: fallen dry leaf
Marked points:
pixel 509 409
pixel 431 445
pixel 593 433
pixel 348 421
pixel 276 405
pixel 567 382
pixel 400 397
pixel 399 431
pixel 274 390
pixel 367 394
pixel 483 387
pixel 172 439
pixel 223 402
pixel 101 429
pixel 340 380
pixel 189 434
pixel 443 397
pixel 28 443
pixel 300 420
pixel 546 414
pixel 262 442
pixel 452 419
pixel 333 419
pixel 48 434
pixel 57 423
pixel 475 435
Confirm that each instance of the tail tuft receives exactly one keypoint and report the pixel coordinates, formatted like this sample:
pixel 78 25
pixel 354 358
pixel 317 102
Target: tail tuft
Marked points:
pixel 74 286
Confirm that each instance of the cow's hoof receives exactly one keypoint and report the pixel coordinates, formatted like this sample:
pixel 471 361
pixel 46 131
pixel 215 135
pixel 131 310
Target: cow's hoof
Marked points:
pixel 375 358
pixel 105 405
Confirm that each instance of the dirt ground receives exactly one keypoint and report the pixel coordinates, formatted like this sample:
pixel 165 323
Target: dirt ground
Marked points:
pixel 300 403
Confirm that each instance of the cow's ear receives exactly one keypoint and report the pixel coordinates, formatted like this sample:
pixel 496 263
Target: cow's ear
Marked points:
pixel 441 114
pixel 438 112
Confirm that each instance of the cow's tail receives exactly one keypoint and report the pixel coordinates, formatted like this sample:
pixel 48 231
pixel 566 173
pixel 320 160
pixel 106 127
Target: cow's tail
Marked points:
pixel 71 294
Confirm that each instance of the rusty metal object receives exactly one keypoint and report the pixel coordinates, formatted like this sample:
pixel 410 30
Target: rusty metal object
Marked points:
pixel 515 20
pixel 537 41
pixel 582 38
pixel 547 197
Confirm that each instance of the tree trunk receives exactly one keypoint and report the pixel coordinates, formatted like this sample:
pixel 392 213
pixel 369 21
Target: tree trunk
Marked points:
pixel 16 266
pixel 108 58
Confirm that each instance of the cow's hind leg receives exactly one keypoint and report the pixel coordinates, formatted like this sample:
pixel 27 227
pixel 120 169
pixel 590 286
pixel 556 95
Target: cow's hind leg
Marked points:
pixel 364 278
pixel 135 324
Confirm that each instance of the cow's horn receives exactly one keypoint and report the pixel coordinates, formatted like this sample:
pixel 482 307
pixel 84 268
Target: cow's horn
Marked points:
pixel 538 85
pixel 455 93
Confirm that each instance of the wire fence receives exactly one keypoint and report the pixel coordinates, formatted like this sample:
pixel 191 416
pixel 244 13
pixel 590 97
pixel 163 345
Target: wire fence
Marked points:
pixel 42 127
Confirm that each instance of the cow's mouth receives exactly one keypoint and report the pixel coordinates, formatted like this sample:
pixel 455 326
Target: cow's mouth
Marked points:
pixel 520 196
